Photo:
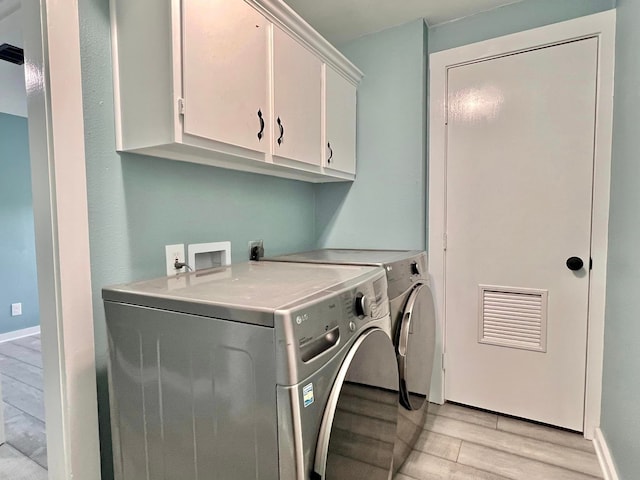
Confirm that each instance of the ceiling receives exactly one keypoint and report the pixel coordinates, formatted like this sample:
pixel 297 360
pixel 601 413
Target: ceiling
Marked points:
pixel 7 7
pixel 10 23
pixel 343 20
pixel 13 96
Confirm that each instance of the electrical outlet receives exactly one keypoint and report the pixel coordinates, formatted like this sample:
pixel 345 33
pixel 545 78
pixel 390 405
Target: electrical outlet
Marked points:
pixel 173 253
pixel 16 309
pixel 256 250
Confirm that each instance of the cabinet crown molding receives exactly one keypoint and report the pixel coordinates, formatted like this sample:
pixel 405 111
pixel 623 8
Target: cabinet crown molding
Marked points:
pixel 287 19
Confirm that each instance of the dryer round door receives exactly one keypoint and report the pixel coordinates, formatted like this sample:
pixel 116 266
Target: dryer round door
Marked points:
pixel 416 345
pixel 359 425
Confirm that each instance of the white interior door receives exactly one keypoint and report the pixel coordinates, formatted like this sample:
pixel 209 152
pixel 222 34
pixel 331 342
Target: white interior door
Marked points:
pixel 519 174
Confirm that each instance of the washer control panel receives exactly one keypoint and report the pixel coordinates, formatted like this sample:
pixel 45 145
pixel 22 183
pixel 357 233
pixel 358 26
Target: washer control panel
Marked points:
pixel 327 321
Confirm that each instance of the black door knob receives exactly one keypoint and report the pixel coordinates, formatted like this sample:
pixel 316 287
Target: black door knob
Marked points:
pixel 574 263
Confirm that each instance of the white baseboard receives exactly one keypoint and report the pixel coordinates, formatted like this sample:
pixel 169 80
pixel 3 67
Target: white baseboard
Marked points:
pixel 25 332
pixel 3 437
pixel 604 456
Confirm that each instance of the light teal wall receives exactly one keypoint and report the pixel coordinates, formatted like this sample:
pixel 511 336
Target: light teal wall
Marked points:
pixel 18 283
pixel 385 207
pixel 512 18
pixel 139 204
pixel 621 379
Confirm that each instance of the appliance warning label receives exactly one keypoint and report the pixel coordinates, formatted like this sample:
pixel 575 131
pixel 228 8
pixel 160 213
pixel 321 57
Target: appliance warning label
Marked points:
pixel 307 395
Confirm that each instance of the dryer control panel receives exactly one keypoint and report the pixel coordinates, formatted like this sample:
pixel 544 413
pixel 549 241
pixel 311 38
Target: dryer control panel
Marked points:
pixel 402 275
pixel 310 332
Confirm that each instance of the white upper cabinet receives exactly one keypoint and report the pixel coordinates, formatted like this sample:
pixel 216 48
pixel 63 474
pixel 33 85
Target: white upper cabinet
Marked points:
pixel 297 101
pixel 236 84
pixel 225 72
pixel 340 122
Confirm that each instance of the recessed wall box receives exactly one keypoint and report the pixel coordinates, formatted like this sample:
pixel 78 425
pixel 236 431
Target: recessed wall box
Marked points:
pixel 209 255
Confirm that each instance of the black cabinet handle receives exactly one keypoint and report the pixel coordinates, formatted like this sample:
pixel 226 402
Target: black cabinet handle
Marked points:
pixel 330 152
pixel 281 126
pixel 574 263
pixel 260 133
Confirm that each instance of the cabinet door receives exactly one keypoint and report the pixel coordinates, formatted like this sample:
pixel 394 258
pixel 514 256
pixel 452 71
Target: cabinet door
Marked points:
pixel 340 122
pixel 225 72
pixel 297 101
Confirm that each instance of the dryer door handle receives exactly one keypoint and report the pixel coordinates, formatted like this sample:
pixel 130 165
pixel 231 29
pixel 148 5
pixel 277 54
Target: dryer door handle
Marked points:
pixel 415 346
pixel 406 326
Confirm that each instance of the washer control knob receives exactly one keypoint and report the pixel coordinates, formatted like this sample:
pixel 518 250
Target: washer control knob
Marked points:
pixel 415 268
pixel 352 327
pixel 363 308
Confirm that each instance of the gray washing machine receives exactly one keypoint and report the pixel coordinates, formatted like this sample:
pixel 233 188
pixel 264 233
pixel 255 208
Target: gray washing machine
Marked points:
pixel 260 370
pixel 413 327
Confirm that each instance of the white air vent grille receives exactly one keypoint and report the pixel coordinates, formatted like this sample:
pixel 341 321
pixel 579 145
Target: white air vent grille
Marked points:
pixel 513 317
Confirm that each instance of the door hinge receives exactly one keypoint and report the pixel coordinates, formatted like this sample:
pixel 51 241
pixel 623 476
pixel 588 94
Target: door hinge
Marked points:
pixel 181 106
pixel 443 362
pixel 444 241
pixel 590 263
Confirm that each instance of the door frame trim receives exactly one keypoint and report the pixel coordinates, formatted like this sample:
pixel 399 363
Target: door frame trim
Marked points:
pixel 602 26
pixel 61 221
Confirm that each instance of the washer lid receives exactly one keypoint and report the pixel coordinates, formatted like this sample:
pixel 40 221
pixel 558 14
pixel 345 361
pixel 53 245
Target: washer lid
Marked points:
pixel 246 292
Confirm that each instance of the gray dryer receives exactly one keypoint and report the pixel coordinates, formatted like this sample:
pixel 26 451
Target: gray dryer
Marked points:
pixel 413 328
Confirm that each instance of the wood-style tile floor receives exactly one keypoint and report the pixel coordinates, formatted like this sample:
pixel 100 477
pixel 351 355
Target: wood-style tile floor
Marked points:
pixel 457 443
pixel 24 456
pixel 461 443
